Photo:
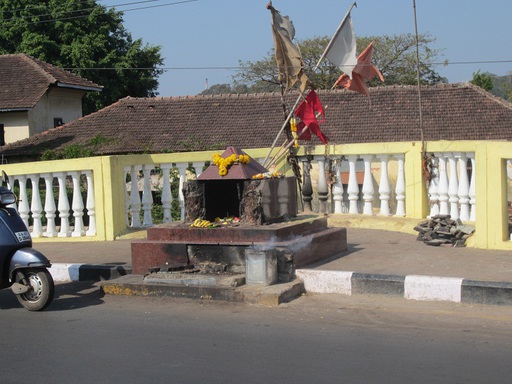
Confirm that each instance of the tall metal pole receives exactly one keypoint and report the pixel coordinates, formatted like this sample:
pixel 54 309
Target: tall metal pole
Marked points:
pixel 419 75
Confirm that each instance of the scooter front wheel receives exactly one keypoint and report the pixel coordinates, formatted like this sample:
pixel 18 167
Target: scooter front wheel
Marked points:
pixel 41 288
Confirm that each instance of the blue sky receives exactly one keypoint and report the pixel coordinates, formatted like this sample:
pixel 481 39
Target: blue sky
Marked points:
pixel 205 39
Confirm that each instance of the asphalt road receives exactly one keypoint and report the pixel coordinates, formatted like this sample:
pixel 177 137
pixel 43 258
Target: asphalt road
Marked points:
pixel 86 338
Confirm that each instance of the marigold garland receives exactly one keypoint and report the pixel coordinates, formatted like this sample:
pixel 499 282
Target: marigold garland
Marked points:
pixel 224 163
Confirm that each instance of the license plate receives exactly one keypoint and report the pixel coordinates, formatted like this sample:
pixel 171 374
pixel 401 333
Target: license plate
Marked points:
pixel 23 236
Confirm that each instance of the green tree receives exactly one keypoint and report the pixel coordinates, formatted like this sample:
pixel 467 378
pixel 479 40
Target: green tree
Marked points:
pixel 483 80
pixel 86 37
pixel 395 56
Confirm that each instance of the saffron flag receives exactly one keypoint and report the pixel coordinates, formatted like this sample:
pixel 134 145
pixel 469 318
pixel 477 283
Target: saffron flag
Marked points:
pixel 341 50
pixel 364 70
pixel 288 58
pixel 309 111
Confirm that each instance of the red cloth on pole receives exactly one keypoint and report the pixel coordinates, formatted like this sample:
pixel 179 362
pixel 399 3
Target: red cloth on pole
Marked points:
pixel 307 112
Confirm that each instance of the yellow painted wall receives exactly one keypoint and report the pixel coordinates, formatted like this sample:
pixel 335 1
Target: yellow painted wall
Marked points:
pixel 490 172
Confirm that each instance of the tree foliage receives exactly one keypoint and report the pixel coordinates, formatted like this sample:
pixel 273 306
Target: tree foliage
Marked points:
pixel 483 80
pixel 86 37
pixel 395 56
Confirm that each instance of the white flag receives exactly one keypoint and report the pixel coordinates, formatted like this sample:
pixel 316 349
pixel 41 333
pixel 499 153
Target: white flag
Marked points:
pixel 341 50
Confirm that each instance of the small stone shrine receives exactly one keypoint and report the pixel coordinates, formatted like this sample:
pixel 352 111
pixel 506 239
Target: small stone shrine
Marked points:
pixel 233 206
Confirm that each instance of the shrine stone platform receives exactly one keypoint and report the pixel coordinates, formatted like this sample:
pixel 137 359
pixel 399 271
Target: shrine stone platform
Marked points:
pixel 298 242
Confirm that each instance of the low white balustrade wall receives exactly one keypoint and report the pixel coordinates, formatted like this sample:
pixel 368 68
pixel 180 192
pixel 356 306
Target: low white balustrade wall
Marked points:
pixel 50 211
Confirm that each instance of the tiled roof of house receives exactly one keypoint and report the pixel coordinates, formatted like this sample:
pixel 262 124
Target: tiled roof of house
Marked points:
pixel 24 80
pixel 141 125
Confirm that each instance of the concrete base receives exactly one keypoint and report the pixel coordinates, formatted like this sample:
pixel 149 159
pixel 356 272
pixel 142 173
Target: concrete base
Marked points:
pixel 299 242
pixel 272 295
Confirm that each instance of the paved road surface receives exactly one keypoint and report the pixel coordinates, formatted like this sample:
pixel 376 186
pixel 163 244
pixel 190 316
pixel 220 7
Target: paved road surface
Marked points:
pixel 87 338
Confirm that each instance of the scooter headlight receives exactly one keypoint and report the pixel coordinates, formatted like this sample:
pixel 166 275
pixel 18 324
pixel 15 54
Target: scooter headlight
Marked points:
pixel 7 198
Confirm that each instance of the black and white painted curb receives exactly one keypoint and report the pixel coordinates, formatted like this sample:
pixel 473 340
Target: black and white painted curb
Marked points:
pixel 413 287
pixel 66 273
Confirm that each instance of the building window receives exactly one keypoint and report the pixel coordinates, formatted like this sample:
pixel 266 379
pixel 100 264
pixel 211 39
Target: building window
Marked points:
pixel 57 122
pixel 2 135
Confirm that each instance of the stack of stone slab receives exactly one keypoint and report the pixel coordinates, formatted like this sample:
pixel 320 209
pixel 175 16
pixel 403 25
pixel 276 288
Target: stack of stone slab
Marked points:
pixel 441 230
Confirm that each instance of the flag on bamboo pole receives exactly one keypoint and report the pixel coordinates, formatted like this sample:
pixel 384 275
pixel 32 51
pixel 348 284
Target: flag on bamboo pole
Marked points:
pixel 341 50
pixel 288 58
pixel 308 111
pixel 364 70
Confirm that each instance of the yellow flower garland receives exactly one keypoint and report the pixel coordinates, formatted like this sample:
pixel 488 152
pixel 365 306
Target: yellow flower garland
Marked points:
pixel 225 163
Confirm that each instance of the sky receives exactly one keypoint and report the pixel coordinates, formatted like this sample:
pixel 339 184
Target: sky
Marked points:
pixel 206 39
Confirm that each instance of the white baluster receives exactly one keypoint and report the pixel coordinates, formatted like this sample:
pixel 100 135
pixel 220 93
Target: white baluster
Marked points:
pixel 36 207
pixel 433 189
pixel 63 206
pixel 384 187
pixel 353 187
pixel 472 184
pixel 400 187
pixel 443 186
pixel 453 188
pixel 49 206
pixel 135 204
pixel 198 166
pixel 23 206
pixel 166 192
pixel 147 196
pixel 368 188
pixel 337 189
pixel 90 204
pixel 77 206
pixel 463 191
pixel 182 169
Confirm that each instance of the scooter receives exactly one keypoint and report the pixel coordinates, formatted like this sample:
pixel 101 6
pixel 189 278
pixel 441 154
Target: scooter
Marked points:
pixel 22 268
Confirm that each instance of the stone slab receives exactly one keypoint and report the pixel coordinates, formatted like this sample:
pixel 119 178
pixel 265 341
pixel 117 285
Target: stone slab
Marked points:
pixel 273 295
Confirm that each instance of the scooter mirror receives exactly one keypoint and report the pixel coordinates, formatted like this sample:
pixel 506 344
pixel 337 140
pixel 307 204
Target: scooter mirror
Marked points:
pixel 5 179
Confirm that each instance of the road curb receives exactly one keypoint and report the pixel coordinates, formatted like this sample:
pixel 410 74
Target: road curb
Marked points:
pixel 412 287
pixel 65 273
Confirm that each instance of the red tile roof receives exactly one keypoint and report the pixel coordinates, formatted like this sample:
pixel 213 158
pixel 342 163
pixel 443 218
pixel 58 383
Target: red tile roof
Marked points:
pixel 24 80
pixel 181 124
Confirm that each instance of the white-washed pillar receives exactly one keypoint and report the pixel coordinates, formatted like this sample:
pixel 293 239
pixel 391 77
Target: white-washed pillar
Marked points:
pixel 453 188
pixel 322 187
pixel 77 206
pixel 90 204
pixel 135 204
pixel 433 188
pixel 337 188
pixel 400 187
pixel 463 191
pixel 384 187
pixel 182 169
pixel 368 188
pixel 443 186
pixel 472 184
pixel 147 196
pixel 166 192
pixel 353 187
pixel 36 207
pixel 23 206
pixel 49 206
pixel 63 206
